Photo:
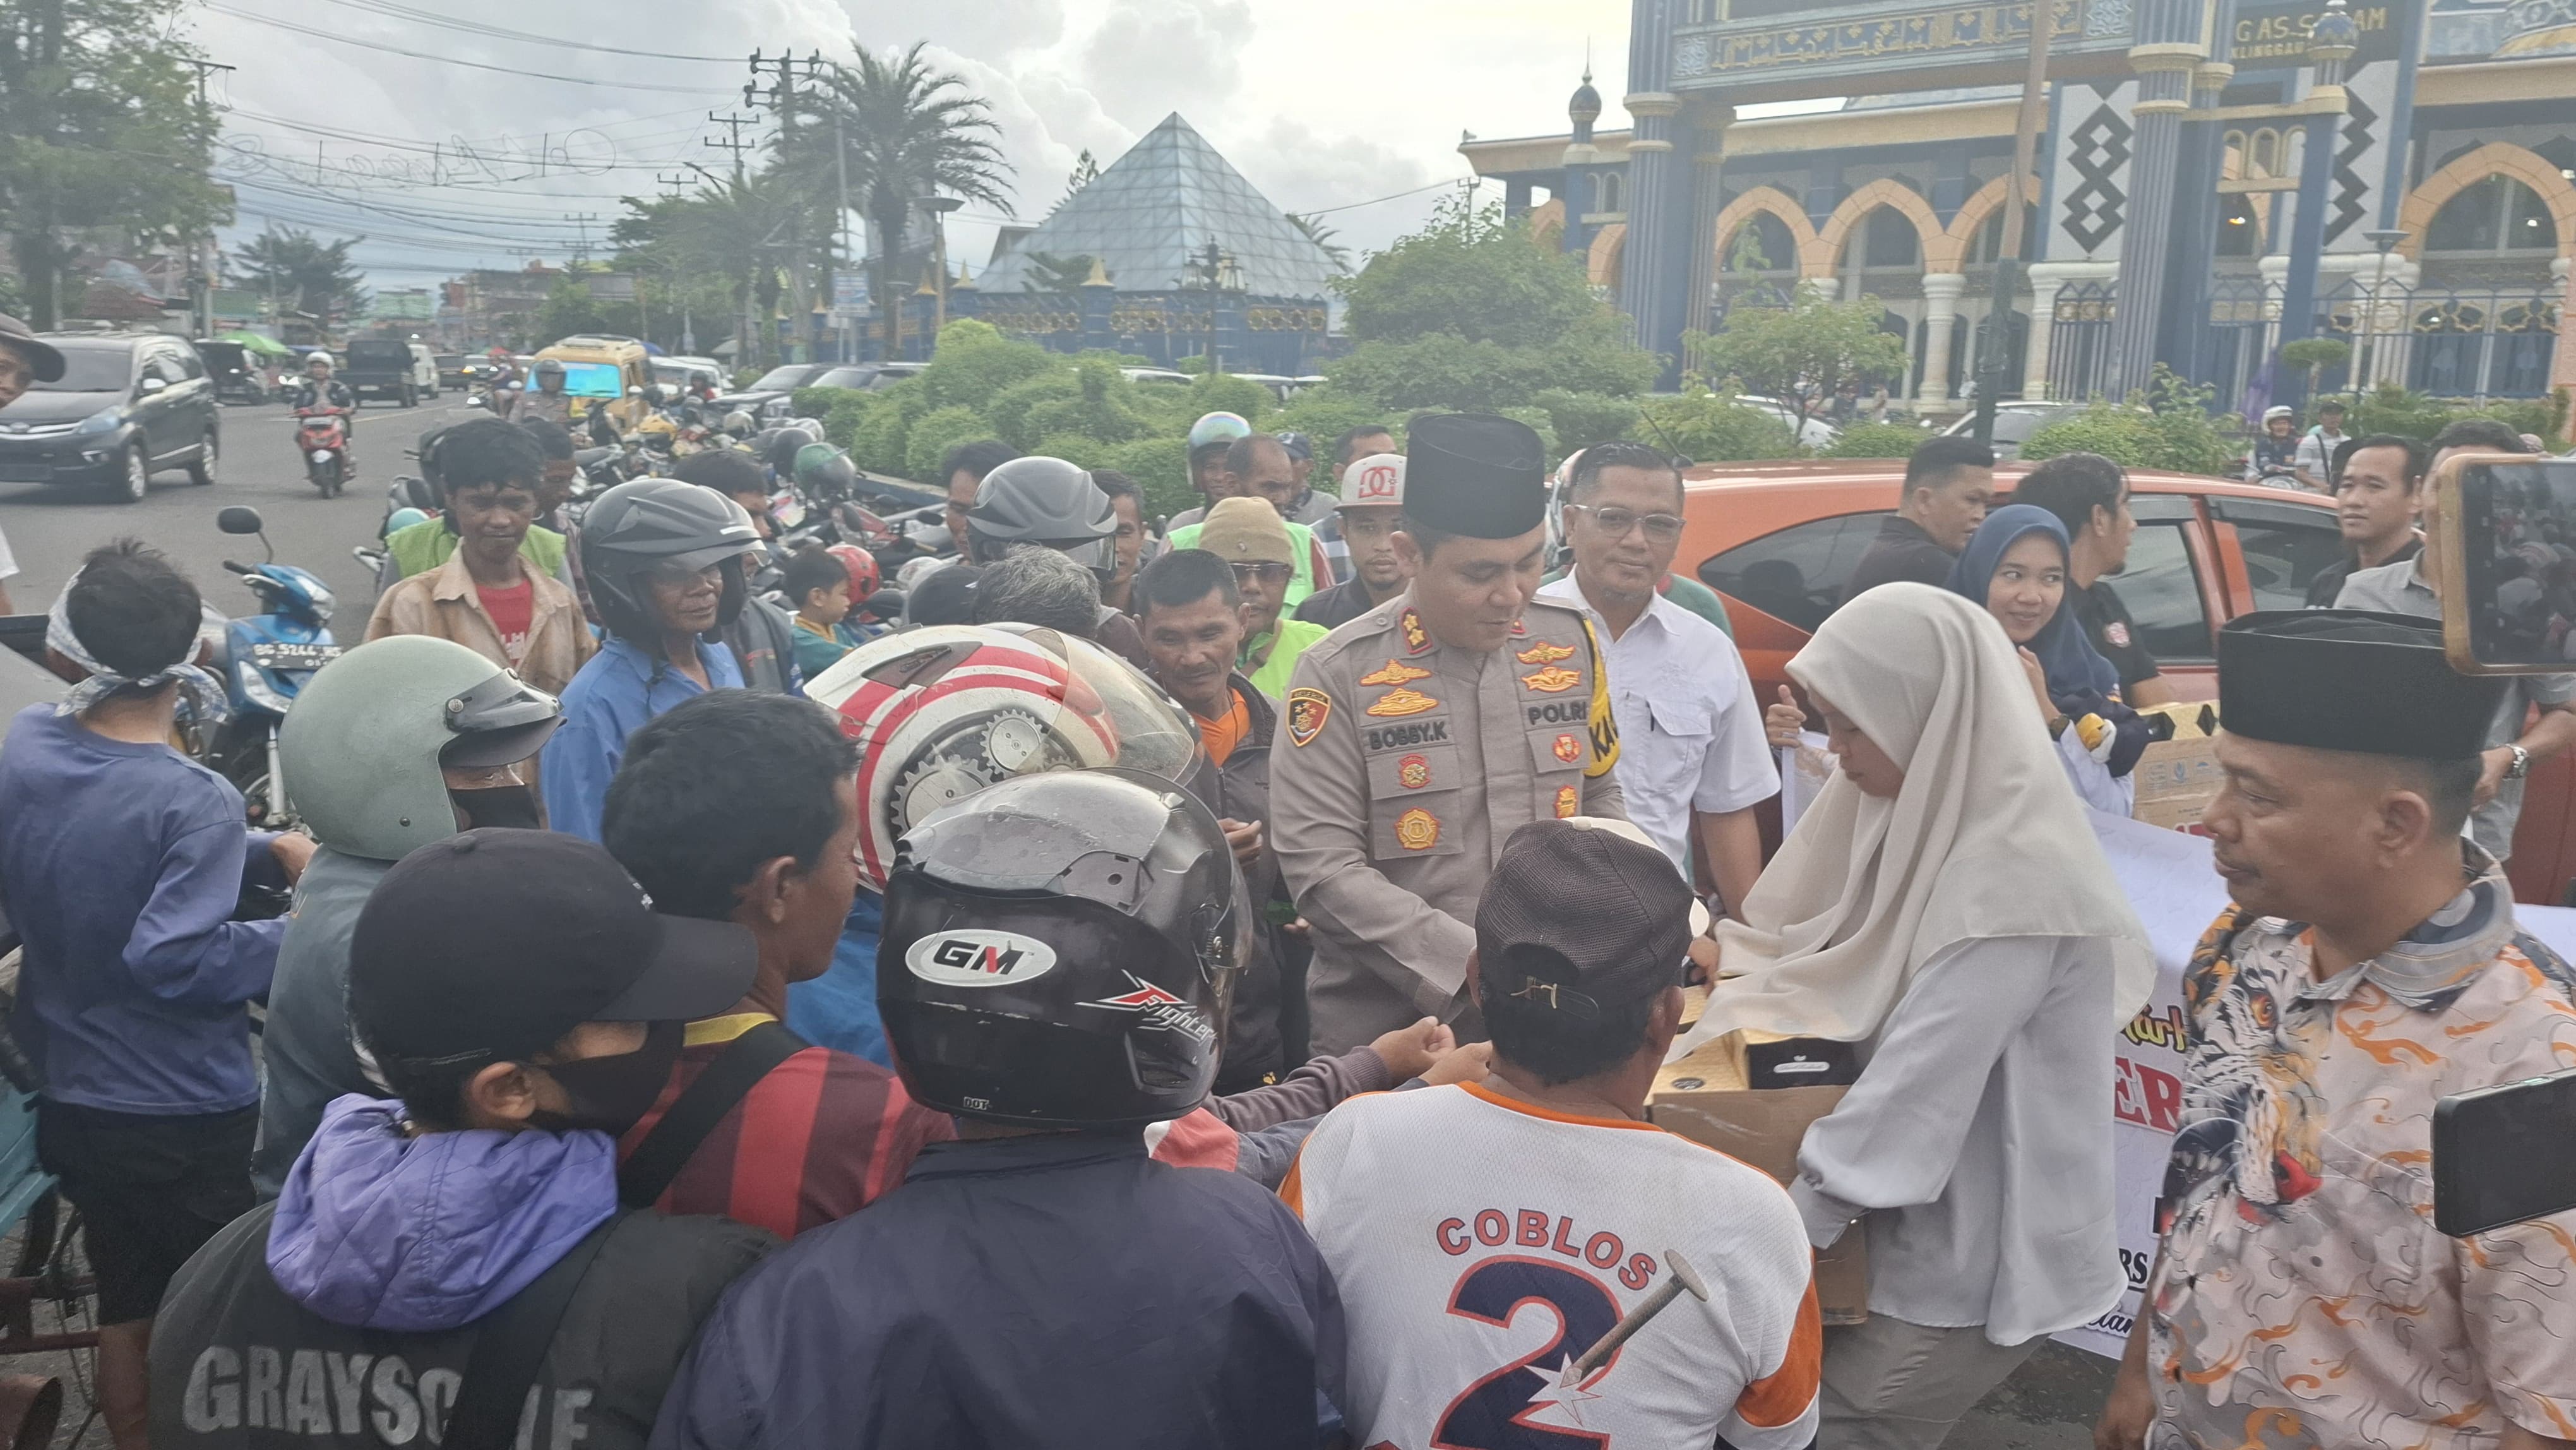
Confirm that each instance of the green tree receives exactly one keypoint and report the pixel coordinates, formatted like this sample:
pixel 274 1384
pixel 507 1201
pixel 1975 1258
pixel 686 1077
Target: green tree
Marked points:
pixel 101 126
pixel 1877 440
pixel 1470 313
pixel 1325 239
pixel 304 272
pixel 907 133
pixel 1086 170
pixel 740 230
pixel 1800 355
pixel 1705 428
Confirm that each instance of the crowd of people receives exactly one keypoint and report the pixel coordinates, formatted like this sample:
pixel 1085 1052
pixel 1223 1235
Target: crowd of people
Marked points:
pixel 1204 987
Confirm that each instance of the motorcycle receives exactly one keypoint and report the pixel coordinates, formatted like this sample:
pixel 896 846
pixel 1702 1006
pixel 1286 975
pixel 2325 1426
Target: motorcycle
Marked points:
pixel 266 660
pixel 322 436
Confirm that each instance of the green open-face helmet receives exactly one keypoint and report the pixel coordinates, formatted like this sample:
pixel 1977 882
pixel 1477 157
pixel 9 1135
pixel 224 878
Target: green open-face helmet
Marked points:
pixel 364 750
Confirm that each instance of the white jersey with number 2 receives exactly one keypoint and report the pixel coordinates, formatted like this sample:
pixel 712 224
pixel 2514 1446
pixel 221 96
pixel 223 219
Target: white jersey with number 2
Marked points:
pixel 1481 1243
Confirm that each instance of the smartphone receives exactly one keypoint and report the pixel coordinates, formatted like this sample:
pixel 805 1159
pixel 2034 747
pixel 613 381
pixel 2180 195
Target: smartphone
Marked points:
pixel 2504 562
pixel 2500 1154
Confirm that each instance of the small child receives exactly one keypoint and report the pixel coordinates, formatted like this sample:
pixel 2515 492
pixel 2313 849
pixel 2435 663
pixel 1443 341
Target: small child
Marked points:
pixel 818 586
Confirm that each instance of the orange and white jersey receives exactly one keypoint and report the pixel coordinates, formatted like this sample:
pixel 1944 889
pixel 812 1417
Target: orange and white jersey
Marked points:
pixel 1480 1244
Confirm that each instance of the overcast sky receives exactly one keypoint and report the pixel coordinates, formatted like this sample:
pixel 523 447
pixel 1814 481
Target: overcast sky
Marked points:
pixel 1323 104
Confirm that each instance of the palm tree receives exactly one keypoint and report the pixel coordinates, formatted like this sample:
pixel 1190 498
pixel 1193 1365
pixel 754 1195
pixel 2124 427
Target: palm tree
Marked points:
pixel 302 271
pixel 1325 238
pixel 1051 273
pixel 908 133
pixel 739 228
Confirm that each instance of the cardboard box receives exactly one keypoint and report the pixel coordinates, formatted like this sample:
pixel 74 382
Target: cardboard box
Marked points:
pixel 2175 779
pixel 1703 1098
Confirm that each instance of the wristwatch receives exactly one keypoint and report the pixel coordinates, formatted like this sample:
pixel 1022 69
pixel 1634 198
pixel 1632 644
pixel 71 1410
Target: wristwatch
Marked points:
pixel 2057 725
pixel 2521 763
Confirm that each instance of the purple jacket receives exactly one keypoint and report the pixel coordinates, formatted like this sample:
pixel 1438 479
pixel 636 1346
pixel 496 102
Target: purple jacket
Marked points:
pixel 377 1230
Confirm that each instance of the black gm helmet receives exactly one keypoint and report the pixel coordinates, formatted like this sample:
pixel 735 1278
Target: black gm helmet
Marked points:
pixel 651 521
pixel 1043 501
pixel 1060 951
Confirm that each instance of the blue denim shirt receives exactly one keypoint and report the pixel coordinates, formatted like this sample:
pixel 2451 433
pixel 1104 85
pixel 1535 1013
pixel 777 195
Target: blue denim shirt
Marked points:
pixel 612 697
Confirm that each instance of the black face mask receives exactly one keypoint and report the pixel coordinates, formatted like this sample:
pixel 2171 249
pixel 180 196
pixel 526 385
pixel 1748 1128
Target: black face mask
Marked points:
pixel 510 806
pixel 611 1093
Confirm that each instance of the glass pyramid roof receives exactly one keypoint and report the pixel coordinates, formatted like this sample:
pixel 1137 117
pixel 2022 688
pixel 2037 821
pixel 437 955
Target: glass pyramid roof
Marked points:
pixel 1156 208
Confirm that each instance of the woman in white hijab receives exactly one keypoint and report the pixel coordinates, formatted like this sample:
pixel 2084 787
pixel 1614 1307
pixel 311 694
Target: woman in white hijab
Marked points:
pixel 1944 905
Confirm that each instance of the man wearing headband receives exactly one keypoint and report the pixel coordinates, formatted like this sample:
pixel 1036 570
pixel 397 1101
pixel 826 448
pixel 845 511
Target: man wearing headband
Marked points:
pixel 1426 731
pixel 1441 1211
pixel 2370 967
pixel 123 862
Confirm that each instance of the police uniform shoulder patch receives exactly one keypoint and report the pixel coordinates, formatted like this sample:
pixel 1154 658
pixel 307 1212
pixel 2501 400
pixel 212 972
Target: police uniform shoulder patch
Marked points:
pixel 1308 709
pixel 1416 638
pixel 1568 802
pixel 1397 672
pixel 1543 653
pixel 1400 702
pixel 1569 747
pixel 1413 772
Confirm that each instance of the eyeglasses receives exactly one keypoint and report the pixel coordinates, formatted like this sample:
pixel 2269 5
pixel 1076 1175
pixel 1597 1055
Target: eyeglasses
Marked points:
pixel 1616 522
pixel 1266 573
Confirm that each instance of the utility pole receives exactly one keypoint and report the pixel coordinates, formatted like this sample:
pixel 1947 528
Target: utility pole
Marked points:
pixel 581 219
pixel 784 73
pixel 732 141
pixel 201 280
pixel 1995 365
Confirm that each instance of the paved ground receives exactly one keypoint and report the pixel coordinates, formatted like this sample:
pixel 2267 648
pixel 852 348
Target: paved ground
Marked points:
pixel 2048 1406
pixel 49 529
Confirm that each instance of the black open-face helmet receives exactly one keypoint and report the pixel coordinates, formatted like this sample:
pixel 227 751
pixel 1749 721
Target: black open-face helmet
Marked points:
pixel 1060 951
pixel 636 526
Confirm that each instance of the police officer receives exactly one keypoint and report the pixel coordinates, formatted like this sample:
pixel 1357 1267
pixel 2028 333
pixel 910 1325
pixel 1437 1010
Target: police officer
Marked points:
pixel 1423 733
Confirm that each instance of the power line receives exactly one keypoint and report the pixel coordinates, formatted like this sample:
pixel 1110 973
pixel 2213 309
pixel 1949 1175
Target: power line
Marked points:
pixel 1398 196
pixel 496 32
pixel 321 34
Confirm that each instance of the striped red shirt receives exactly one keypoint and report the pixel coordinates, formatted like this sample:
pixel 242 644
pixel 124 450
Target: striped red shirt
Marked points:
pixel 822 1136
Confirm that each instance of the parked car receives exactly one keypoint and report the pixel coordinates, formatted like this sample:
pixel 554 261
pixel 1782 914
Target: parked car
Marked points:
pixel 238 376
pixel 456 370
pixel 1816 432
pixel 1158 377
pixel 769 393
pixel 2014 423
pixel 127 406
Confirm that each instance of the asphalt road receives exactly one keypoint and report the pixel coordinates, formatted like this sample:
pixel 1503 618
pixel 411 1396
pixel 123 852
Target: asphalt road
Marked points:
pixel 50 529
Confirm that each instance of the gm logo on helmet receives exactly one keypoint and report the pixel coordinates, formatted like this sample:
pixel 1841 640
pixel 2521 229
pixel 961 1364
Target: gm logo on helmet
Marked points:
pixel 974 958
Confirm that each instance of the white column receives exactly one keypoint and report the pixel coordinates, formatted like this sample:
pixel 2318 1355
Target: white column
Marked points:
pixel 1941 292
pixel 2044 287
pixel 2562 362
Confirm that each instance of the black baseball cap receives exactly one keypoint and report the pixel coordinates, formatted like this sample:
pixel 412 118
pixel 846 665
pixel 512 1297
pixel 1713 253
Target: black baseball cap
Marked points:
pixel 1585 915
pixel 502 941
pixel 40 355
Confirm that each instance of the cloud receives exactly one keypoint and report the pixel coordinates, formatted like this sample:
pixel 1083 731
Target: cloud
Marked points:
pixel 1149 58
pixel 1321 103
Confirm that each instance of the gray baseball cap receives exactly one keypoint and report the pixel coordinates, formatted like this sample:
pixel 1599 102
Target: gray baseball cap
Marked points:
pixel 40 355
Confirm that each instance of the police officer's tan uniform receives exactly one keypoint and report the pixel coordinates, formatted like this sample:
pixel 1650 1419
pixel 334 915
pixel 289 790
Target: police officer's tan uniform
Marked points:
pixel 1408 765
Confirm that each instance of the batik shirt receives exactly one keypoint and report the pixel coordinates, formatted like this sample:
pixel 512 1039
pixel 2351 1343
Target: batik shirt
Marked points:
pixel 2306 1298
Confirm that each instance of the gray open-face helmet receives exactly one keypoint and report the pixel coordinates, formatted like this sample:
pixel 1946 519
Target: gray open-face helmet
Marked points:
pixel 363 751
pixel 1043 501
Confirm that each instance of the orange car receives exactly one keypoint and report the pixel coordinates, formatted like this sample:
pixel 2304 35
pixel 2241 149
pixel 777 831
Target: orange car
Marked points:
pixel 1780 540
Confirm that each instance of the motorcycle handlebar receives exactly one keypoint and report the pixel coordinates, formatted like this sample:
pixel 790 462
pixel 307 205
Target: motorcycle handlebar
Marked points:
pixel 232 567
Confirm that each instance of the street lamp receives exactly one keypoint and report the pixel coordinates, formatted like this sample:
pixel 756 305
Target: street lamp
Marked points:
pixel 939 207
pixel 2386 241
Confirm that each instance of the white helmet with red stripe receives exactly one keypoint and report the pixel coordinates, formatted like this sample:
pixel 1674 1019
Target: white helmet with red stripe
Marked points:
pixel 941 713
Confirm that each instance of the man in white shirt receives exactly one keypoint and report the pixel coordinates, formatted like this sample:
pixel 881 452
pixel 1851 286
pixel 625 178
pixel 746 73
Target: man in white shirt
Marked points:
pixel 1690 727
pixel 2314 462
pixel 1486 1235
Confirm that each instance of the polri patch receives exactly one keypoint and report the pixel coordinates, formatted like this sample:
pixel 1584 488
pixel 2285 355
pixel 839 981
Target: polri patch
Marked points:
pixel 1308 709
pixel 1417 830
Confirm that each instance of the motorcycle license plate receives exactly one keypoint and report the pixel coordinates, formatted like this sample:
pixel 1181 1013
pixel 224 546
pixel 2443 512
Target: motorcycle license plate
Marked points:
pixel 293 656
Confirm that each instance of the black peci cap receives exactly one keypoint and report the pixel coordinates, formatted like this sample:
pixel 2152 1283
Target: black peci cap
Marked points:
pixel 2349 679
pixel 1475 474
pixel 1567 898
pixel 502 941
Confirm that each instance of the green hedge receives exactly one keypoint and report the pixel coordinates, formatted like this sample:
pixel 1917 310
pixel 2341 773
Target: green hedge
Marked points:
pixel 1878 440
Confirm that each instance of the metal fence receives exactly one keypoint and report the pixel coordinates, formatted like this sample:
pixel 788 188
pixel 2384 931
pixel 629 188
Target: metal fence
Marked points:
pixel 2480 343
pixel 2079 339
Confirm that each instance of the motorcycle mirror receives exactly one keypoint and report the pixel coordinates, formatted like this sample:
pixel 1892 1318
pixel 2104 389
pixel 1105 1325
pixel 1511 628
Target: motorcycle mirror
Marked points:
pixel 240 520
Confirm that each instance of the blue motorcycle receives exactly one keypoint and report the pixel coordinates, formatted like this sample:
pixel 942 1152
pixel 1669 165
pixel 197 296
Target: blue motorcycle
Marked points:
pixel 266 659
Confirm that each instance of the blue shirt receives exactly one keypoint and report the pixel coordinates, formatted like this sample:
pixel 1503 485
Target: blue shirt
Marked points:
pixel 610 699
pixel 122 866
pixel 1060 1290
pixel 839 1008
